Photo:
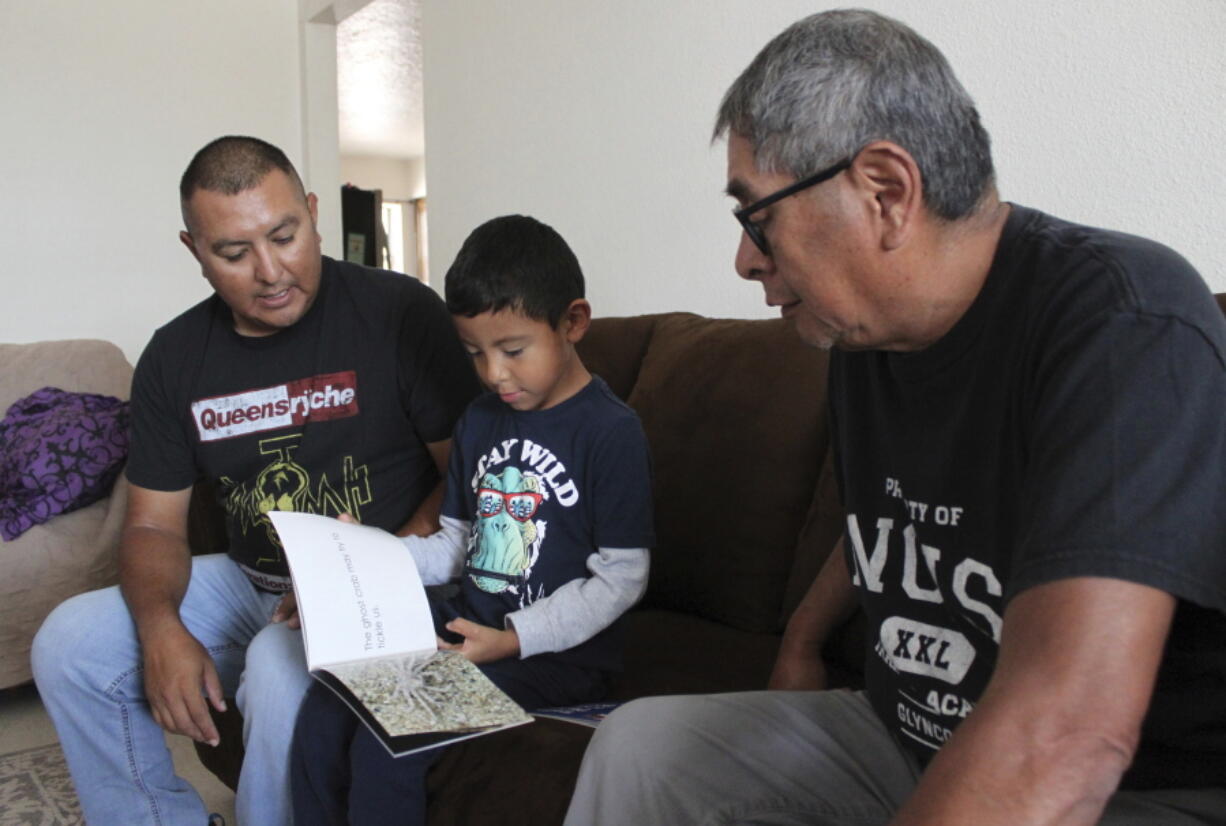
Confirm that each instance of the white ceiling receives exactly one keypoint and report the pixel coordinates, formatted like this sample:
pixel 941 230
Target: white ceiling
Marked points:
pixel 378 77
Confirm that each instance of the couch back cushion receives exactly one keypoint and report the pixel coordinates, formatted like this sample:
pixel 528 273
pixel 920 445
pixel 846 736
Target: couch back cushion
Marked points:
pixel 614 349
pixel 735 414
pixel 78 365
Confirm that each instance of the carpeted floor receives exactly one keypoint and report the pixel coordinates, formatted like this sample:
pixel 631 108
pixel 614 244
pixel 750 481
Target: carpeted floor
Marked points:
pixel 35 789
pixel 31 768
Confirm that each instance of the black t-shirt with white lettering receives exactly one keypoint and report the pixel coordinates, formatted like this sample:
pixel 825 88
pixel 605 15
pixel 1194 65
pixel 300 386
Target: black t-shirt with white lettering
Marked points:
pixel 329 416
pixel 1070 424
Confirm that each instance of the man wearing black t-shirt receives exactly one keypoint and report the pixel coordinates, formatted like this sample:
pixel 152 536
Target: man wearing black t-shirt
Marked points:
pixel 302 384
pixel 1027 418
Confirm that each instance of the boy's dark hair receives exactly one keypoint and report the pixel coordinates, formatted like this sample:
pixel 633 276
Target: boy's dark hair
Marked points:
pixel 514 262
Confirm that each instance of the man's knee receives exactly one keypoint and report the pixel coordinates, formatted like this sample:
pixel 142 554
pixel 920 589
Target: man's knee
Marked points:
pixel 275 669
pixel 649 728
pixel 47 651
pixel 71 633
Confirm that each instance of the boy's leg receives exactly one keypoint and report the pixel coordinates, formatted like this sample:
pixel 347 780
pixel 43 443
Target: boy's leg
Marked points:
pixel 273 683
pixel 319 759
pixel 540 683
pixel 387 790
pixel 87 665
pixel 777 757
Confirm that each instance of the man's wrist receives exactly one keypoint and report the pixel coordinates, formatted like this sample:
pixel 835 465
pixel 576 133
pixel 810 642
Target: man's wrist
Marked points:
pixel 801 642
pixel 152 624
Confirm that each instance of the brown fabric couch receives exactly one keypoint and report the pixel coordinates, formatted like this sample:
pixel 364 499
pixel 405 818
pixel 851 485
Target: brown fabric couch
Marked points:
pixel 746 511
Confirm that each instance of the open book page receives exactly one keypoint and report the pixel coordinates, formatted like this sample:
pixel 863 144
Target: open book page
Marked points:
pixel 369 637
pixel 412 694
pixel 359 593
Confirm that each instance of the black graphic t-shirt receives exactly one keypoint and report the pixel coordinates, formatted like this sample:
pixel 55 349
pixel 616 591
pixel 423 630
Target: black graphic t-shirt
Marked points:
pixel 544 489
pixel 1070 424
pixel 329 416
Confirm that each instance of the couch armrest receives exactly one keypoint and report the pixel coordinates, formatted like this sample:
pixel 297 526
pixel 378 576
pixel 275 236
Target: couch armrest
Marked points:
pixel 68 555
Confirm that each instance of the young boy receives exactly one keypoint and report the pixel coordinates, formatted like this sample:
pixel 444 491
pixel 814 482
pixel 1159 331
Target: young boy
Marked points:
pixel 546 522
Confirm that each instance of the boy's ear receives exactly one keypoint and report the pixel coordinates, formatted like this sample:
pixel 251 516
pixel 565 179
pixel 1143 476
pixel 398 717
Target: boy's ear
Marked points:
pixel 576 320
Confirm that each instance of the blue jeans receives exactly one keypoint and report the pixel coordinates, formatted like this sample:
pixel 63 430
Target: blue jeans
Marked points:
pixel 87 665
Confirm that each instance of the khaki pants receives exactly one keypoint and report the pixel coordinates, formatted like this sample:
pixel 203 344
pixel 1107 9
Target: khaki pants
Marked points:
pixel 774 758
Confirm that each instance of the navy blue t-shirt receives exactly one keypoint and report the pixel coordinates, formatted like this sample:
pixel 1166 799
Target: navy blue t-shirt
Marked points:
pixel 543 490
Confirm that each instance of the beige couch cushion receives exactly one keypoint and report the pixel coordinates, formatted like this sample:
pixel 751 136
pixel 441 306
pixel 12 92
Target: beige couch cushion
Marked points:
pixel 74 552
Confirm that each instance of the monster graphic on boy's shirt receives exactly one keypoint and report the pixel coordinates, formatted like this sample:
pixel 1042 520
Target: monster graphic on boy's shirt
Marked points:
pixel 505 542
pixel 510 483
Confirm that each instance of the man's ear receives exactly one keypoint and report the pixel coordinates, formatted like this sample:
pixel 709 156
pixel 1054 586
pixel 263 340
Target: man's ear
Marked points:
pixel 577 319
pixel 891 181
pixel 190 243
pixel 313 208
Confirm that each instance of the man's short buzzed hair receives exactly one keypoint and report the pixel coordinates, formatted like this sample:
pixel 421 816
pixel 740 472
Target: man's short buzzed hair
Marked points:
pixel 234 164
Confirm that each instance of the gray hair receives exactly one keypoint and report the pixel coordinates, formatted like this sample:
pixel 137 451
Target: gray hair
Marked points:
pixel 833 82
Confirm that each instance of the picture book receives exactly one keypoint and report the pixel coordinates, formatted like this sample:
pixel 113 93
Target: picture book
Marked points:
pixel 585 714
pixel 369 636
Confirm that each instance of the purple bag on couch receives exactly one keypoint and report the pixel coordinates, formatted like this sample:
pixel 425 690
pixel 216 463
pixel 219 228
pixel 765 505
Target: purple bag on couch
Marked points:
pixel 59 451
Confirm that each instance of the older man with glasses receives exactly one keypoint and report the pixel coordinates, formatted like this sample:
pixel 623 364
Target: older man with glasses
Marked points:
pixel 1028 429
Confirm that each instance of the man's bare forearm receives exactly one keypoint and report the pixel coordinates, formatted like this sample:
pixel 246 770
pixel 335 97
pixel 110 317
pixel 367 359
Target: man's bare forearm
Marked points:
pixel 827 604
pixel 154 569
pixel 829 601
pixel 990 774
pixel 1060 719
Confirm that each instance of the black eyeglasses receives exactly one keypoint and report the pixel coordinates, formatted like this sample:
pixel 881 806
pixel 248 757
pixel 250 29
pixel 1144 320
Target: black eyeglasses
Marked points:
pixel 754 230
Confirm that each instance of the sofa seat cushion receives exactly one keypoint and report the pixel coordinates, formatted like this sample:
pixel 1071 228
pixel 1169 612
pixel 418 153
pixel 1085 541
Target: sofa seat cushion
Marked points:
pixel 667 652
pixel 522 776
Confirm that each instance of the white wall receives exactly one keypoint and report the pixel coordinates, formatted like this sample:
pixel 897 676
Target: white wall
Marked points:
pixel 400 179
pixel 103 106
pixel 596 119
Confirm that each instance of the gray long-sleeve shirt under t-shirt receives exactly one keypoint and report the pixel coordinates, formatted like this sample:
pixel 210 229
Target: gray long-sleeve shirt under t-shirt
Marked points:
pixel 572 614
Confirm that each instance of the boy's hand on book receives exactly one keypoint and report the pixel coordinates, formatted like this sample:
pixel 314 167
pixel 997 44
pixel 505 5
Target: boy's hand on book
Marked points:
pixel 287 611
pixel 482 644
